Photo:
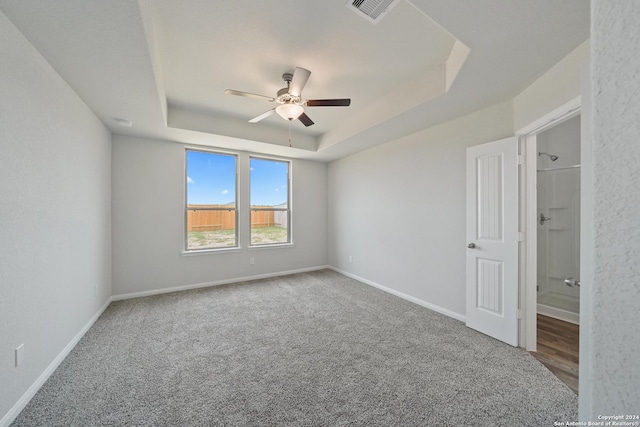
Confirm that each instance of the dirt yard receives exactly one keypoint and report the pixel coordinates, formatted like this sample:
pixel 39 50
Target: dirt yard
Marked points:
pixel 226 238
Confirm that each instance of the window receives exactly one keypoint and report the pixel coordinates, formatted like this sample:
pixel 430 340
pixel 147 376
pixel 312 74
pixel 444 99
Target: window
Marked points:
pixel 210 211
pixel 269 199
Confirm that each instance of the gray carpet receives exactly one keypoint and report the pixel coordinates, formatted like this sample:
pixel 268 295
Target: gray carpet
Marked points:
pixel 306 349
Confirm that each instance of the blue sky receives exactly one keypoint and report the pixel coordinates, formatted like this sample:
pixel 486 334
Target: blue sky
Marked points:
pixel 211 180
pixel 268 182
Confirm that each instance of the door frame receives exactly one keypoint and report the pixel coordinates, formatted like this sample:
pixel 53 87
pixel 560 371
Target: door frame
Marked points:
pixel 528 216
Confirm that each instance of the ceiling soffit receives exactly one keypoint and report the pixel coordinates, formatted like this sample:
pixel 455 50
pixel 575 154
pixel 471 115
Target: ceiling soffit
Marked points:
pixel 164 65
pixel 404 60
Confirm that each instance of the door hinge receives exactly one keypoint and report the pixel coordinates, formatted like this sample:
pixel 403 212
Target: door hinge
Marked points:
pixel 521 236
pixel 520 159
pixel 520 313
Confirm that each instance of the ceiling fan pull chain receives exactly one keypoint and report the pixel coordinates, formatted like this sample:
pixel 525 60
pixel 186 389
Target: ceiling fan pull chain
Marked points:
pixel 290 133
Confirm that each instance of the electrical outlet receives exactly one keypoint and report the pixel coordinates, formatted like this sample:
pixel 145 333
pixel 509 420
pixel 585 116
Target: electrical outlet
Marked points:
pixel 252 260
pixel 19 355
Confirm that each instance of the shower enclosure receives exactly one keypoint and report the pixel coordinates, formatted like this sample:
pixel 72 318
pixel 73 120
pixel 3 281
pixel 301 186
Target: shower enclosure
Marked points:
pixel 558 184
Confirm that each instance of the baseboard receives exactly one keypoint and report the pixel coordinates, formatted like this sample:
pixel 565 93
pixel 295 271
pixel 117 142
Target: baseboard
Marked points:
pixel 404 296
pixel 215 283
pixel 10 416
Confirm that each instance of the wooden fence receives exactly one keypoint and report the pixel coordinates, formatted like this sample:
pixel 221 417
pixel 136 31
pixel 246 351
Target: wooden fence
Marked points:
pixel 199 218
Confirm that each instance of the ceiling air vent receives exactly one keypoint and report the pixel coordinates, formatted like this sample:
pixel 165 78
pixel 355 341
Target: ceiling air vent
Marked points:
pixel 372 10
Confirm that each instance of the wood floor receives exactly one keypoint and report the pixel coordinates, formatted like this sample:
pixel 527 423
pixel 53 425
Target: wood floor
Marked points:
pixel 558 344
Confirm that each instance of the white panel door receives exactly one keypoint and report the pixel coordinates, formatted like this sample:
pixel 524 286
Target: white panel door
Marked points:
pixel 492 239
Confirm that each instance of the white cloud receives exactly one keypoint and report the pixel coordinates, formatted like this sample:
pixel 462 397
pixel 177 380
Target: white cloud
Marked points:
pixel 277 189
pixel 190 181
pixel 224 192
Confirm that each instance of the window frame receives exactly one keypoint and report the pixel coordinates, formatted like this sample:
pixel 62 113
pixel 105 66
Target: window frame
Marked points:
pixel 236 246
pixel 287 210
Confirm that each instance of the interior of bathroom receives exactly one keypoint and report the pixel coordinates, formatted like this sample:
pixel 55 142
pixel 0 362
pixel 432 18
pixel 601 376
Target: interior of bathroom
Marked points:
pixel 558 185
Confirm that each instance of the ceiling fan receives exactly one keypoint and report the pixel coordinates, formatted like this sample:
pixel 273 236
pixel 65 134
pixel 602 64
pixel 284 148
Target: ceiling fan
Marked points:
pixel 290 99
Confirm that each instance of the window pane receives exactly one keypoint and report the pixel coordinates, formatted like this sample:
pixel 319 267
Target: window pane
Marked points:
pixel 207 229
pixel 211 200
pixel 211 179
pixel 269 183
pixel 269 198
pixel 269 227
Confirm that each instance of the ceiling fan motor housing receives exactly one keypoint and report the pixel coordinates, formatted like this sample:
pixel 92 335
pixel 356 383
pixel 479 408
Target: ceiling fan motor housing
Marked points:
pixel 284 97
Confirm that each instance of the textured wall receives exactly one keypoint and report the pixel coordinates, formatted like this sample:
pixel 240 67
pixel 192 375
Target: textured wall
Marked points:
pixel 615 387
pixel 55 205
pixel 148 222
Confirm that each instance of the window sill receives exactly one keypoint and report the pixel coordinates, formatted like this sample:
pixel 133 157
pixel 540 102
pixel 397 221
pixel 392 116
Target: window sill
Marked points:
pixel 211 251
pixel 276 246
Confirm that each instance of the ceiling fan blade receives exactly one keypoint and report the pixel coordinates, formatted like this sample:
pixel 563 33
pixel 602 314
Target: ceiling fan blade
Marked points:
pixel 249 95
pixel 300 77
pixel 305 120
pixel 262 116
pixel 328 102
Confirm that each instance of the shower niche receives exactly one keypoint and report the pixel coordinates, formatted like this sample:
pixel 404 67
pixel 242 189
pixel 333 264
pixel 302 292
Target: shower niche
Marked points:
pixel 558 199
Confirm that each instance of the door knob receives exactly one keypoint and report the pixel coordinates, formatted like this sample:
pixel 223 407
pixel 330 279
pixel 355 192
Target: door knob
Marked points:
pixel 542 219
pixel 471 245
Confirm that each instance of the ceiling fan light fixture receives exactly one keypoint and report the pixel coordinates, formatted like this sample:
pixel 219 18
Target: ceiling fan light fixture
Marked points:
pixel 289 111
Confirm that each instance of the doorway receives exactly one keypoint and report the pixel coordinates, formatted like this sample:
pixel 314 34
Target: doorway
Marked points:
pixel 551 207
pixel 530 214
pixel 486 177
pixel 558 250
pixel 558 225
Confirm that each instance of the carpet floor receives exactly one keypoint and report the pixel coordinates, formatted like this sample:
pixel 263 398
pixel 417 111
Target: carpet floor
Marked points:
pixel 308 349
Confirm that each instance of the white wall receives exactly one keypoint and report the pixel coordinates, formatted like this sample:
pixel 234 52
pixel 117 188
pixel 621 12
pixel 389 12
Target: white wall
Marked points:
pixel 615 331
pixel 148 222
pixel 55 232
pixel 559 85
pixel 399 209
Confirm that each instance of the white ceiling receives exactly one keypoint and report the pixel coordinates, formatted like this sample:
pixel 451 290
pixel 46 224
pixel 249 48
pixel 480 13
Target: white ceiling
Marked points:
pixel 164 64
